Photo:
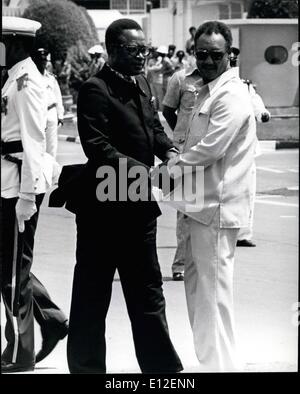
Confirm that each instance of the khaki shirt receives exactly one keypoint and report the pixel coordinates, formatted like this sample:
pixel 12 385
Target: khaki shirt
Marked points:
pixel 181 95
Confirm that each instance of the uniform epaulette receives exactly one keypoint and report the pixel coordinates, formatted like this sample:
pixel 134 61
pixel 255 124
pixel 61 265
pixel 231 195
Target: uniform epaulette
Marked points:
pixel 22 81
pixel 52 75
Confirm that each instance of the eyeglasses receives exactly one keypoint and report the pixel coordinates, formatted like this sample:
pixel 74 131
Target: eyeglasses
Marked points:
pixel 203 55
pixel 134 50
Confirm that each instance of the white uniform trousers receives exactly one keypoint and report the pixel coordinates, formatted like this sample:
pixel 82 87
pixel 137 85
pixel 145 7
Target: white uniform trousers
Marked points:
pixel 209 293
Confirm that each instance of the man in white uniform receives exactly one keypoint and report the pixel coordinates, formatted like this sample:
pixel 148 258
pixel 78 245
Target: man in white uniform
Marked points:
pixel 222 140
pixel 27 171
pixel 55 114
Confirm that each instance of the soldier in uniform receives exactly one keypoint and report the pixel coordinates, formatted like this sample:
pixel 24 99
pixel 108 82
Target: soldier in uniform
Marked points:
pixel 27 172
pixel 55 112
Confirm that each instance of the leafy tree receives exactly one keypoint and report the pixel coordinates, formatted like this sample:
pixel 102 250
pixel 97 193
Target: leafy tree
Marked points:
pixel 273 9
pixel 63 25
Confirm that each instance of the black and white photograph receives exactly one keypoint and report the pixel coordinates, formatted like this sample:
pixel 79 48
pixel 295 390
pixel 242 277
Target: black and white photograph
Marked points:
pixel 149 189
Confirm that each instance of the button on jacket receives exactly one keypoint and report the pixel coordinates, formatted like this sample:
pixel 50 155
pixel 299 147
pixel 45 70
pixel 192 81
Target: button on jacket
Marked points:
pixel 22 119
pixel 222 139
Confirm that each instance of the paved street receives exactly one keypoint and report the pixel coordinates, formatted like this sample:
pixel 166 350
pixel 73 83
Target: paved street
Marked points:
pixel 266 284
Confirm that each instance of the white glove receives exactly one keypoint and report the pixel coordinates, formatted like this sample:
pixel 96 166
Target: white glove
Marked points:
pixel 25 209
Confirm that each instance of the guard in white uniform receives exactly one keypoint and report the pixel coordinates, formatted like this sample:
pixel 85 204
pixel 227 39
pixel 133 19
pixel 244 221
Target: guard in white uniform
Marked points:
pixel 55 112
pixel 27 172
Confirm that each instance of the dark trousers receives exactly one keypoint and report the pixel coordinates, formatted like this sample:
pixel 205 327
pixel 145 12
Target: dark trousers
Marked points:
pixel 34 301
pixel 104 245
pixel 47 314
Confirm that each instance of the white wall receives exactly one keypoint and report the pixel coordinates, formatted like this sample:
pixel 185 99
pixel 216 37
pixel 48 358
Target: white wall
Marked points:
pixel 204 13
pixel 161 27
pixel 277 84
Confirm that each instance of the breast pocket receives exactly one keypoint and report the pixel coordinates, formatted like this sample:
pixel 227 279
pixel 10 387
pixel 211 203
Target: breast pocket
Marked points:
pixel 197 130
pixel 189 98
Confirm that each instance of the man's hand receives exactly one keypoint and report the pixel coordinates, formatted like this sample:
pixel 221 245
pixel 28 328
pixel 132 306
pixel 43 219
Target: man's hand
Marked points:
pixel 161 179
pixel 170 154
pixel 25 209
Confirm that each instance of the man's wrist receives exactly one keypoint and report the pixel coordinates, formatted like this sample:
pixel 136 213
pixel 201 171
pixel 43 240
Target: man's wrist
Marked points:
pixel 174 150
pixel 27 196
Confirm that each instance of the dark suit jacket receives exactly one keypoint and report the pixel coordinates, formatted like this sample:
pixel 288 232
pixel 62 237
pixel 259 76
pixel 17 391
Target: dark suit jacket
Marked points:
pixel 117 120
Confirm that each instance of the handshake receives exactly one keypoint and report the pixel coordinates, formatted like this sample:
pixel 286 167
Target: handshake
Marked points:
pixel 161 178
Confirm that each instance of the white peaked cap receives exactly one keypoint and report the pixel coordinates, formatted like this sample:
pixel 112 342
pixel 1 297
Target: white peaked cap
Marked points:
pixel 12 25
pixel 96 49
pixel 162 49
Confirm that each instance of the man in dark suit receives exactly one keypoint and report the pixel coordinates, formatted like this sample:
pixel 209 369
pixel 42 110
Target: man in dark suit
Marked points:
pixel 119 128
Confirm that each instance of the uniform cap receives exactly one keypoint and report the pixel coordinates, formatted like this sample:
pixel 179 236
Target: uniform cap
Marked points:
pixel 162 49
pixel 12 25
pixel 96 49
pixel 42 53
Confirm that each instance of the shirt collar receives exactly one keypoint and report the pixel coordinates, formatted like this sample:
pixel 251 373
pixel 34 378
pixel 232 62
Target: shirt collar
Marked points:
pixel 193 71
pixel 14 70
pixel 222 79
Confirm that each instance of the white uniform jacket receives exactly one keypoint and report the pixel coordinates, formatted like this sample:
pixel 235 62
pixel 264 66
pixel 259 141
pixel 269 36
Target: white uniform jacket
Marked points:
pixel 24 115
pixel 222 138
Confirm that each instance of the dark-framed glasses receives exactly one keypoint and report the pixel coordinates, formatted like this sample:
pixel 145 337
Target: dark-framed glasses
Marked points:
pixel 134 50
pixel 203 54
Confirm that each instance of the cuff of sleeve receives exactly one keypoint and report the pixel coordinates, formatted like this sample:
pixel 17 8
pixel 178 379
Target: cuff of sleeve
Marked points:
pixel 27 196
pixel 171 163
pixel 175 150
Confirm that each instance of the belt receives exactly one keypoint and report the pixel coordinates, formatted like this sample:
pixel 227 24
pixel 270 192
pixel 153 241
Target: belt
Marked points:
pixel 51 106
pixel 11 147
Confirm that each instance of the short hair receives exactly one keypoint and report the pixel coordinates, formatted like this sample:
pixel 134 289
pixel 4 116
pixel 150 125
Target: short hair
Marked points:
pixel 217 27
pixel 180 52
pixel 115 30
pixel 192 28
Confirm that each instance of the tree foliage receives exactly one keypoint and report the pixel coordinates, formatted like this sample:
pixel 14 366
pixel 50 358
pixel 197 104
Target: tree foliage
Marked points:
pixel 273 9
pixel 64 24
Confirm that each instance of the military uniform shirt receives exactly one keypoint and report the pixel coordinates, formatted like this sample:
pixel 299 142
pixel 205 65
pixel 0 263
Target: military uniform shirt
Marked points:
pixel 24 115
pixel 54 93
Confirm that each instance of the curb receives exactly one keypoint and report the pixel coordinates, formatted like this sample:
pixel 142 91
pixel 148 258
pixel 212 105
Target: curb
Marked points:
pixel 287 145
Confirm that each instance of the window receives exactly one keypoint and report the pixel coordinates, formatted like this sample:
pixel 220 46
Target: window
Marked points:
pixel 223 11
pixel 164 3
pixel 236 10
pixel 128 6
pixel 276 54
